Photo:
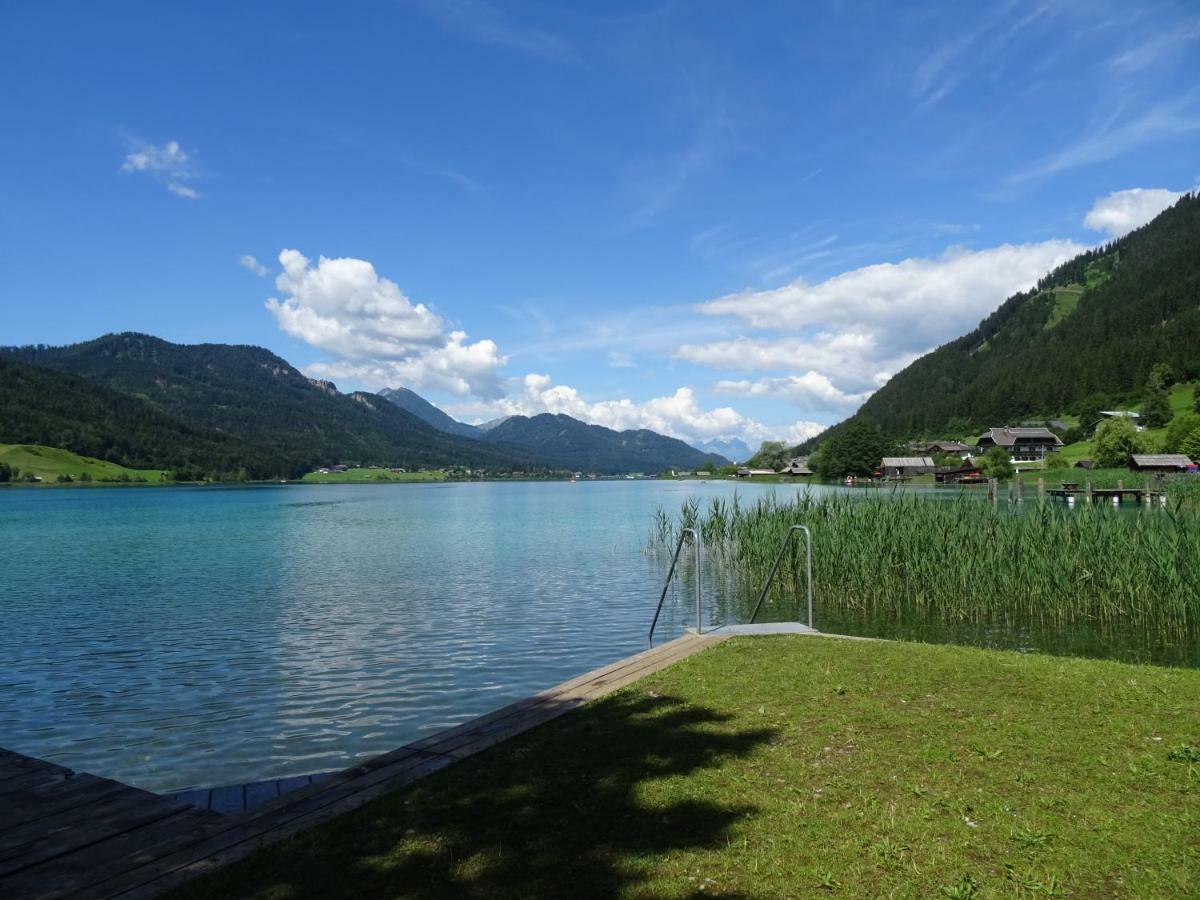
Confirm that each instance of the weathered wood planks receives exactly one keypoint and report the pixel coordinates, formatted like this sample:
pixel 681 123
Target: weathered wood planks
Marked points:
pixel 63 834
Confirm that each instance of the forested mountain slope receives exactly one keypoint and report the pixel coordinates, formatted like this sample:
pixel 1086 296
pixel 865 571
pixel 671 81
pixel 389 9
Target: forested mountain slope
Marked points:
pixel 1095 325
pixel 425 411
pixel 564 441
pixel 255 398
pixel 42 406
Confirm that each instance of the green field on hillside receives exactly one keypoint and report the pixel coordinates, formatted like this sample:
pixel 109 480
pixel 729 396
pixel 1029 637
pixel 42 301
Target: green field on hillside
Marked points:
pixel 1065 301
pixel 372 476
pixel 50 462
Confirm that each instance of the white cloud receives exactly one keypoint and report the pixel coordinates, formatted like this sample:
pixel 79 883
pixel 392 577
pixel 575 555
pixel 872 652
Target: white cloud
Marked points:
pixel 836 341
pixel 812 390
pixel 1122 211
pixel 379 336
pixel 168 164
pixel 457 367
pixel 249 262
pixel 678 415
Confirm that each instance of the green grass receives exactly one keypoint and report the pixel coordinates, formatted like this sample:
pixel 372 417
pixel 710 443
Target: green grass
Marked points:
pixel 1182 397
pixel 798 767
pixel 1065 301
pixel 50 462
pixel 371 476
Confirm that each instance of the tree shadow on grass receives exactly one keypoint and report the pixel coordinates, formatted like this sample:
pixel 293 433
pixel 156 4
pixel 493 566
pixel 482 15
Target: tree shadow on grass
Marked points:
pixel 584 806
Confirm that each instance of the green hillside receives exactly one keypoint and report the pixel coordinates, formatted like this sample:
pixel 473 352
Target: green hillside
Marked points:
pixel 1093 327
pixel 51 464
pixel 563 441
pixel 39 406
pixel 276 421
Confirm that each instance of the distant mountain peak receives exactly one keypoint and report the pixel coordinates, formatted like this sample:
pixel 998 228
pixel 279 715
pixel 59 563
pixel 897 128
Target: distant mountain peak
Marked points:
pixel 412 402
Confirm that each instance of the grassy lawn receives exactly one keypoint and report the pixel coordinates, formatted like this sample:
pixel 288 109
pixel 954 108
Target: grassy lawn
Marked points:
pixel 799 767
pixel 370 476
pixel 50 462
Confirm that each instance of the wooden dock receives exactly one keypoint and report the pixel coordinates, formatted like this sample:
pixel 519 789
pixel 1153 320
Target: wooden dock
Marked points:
pixel 1120 494
pixel 64 834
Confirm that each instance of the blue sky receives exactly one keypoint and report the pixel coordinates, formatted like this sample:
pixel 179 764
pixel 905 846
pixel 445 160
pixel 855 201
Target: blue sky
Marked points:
pixel 715 220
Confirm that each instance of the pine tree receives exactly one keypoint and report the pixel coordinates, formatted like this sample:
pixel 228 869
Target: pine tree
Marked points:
pixel 1156 404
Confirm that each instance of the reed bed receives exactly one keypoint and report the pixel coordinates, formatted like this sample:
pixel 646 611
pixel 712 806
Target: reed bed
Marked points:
pixel 904 557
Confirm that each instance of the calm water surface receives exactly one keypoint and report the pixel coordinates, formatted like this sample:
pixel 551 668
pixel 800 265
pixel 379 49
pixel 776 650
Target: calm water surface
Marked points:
pixel 186 637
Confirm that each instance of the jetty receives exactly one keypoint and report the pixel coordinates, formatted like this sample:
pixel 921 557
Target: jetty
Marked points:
pixel 68 834
pixel 1071 491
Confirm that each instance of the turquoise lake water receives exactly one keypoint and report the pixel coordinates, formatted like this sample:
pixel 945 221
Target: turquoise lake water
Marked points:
pixel 182 637
pixel 195 637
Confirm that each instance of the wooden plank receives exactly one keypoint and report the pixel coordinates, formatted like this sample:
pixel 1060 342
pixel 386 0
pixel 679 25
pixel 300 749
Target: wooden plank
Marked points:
pixel 103 808
pixel 139 850
pixel 122 813
pixel 274 821
pixel 13 764
pixel 34 777
pixel 37 804
pixel 73 872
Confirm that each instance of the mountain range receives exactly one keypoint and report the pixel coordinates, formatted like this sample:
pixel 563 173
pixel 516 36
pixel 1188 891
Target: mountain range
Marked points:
pixel 229 410
pixel 1091 330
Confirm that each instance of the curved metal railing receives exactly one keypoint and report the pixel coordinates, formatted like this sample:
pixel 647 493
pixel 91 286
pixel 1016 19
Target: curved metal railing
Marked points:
pixel 671 574
pixel 775 568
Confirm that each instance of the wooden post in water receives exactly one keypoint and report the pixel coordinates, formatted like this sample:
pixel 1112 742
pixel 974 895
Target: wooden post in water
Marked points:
pixel 993 490
pixel 1087 490
pixel 1020 489
pixel 1041 490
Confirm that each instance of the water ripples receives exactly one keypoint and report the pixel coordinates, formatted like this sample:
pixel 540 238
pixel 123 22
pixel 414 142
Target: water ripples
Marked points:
pixel 175 638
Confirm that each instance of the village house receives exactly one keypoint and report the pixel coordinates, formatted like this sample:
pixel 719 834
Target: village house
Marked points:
pixel 906 466
pixel 1022 444
pixel 1161 462
pixel 967 473
pixel 797 466
pixel 744 472
pixel 936 448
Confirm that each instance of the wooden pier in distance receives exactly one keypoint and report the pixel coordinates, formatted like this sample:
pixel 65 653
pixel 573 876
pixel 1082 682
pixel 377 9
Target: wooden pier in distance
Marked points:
pixel 64 834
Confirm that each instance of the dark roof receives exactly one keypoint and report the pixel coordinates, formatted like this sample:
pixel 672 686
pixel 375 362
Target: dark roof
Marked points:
pixel 946 446
pixel 908 462
pixel 1007 437
pixel 1177 460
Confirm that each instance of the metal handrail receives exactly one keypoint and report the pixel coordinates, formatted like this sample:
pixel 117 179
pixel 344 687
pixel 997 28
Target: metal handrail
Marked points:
pixel 674 560
pixel 775 568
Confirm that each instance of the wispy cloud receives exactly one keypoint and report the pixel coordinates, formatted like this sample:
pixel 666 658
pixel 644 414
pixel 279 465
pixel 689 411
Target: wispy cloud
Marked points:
pixel 482 22
pixel 943 69
pixel 1154 49
pixel 168 164
pixel 249 262
pixel 1117 135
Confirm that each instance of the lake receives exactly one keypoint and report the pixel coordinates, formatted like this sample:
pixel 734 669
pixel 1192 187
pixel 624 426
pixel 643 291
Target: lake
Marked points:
pixel 201 636
pixel 182 637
